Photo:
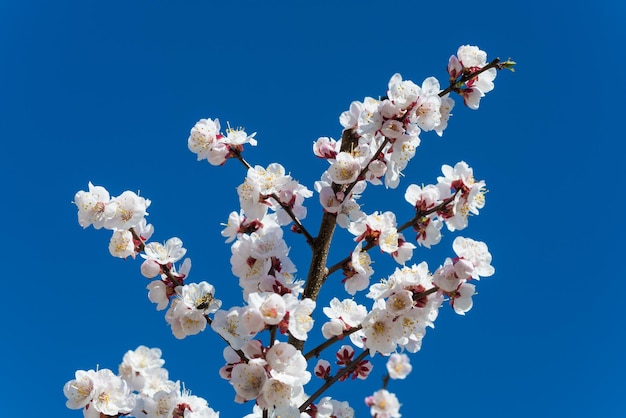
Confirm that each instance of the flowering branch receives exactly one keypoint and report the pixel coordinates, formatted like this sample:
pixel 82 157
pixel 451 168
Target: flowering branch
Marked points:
pixel 379 138
pixel 472 74
pixel 299 227
pixel 374 243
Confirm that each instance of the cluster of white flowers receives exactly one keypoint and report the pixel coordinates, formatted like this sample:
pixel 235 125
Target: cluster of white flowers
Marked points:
pixel 286 193
pixel 286 312
pixel 379 138
pixel 118 214
pixel 210 144
pixel 142 389
pixel 274 376
pixel 190 303
pixel 456 196
pixel 468 60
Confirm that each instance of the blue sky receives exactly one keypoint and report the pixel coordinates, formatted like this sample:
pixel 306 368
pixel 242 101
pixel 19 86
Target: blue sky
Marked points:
pixel 108 91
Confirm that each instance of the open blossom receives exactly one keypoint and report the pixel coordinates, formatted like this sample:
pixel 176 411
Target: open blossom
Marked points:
pixel 344 315
pixel 238 137
pixel 137 366
pixel 469 195
pixel 187 313
pixel 300 311
pixel 228 324
pixel 383 404
pixel 248 379
pixel 99 392
pixel 93 206
pixel 80 390
pixel 403 93
pixel 476 253
pixel 204 140
pixel 130 210
pixel 171 252
pixel 427 109
pixel 398 366
pixel 344 169
pixel 121 244
pixel 381 331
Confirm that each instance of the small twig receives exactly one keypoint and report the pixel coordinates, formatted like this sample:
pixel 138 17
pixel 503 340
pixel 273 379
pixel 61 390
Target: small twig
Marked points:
pixel 317 350
pixel 466 77
pixel 349 368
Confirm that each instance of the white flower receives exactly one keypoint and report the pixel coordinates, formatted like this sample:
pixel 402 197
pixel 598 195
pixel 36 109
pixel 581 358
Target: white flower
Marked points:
pixel 139 364
pixel 461 300
pixel 196 407
pixel 473 57
pixel 277 393
pixel 80 391
pixel 94 207
pixel 130 210
pixel 350 118
pixel 184 320
pixel 369 119
pixel 398 366
pixel 228 325
pixel 477 253
pixel 200 296
pixel 400 302
pixel 270 179
pixel 344 169
pixel 284 359
pixel 248 379
pixel 381 332
pixel 347 311
pixel 121 244
pixel 447 104
pixel 238 137
pixel 203 137
pixel 446 278
pixel 271 306
pixel 112 395
pixel 422 198
pixel 383 404
pixel 300 321
pixel 171 252
pixel 402 92
pixel 330 408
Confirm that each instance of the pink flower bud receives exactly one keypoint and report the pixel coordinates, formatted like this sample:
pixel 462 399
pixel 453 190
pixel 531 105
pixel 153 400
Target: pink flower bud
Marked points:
pixel 150 269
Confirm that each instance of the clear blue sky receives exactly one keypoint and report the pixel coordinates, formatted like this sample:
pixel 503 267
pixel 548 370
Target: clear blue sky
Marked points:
pixel 108 91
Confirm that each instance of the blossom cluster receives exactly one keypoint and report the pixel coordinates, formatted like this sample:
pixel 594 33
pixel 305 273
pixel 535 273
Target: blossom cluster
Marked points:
pixel 190 303
pixel 118 214
pixel 141 389
pixel 379 138
pixel 272 376
pixel 212 145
